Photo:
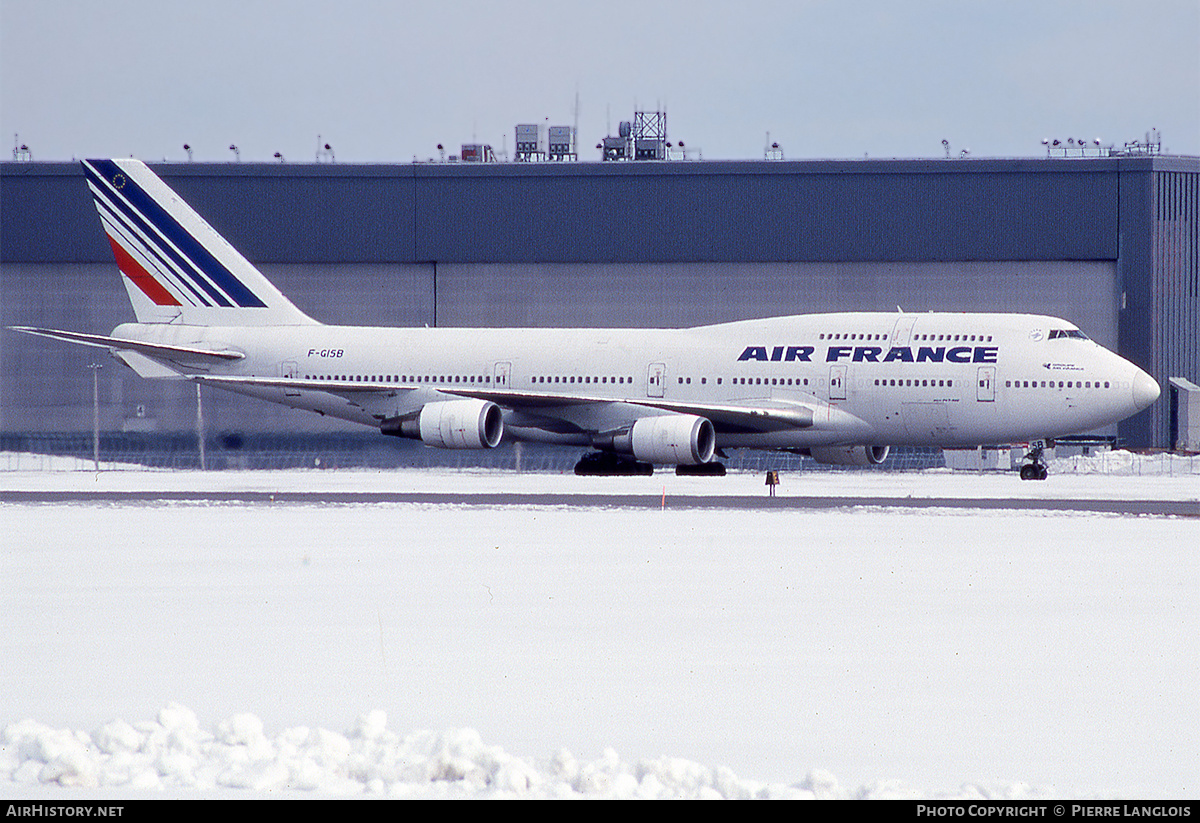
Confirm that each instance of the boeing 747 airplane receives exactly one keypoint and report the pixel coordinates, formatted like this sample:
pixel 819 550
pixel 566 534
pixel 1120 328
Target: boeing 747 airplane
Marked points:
pixel 843 388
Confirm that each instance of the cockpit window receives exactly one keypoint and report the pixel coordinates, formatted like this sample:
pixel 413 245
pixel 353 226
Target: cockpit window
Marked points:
pixel 1076 333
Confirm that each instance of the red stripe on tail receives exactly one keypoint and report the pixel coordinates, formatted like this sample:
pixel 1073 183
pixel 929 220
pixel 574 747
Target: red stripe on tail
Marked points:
pixel 140 277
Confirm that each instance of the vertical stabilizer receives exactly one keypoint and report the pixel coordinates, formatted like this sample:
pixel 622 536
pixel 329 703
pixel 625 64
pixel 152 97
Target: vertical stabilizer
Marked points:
pixel 175 266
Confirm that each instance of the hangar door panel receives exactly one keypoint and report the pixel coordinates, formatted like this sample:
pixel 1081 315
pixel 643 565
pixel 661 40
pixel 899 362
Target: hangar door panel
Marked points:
pixel 675 295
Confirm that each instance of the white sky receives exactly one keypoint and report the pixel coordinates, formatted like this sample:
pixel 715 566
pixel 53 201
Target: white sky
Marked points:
pixel 388 81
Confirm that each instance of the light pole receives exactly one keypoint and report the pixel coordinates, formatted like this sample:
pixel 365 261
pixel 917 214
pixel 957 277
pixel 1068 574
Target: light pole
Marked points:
pixel 200 427
pixel 95 367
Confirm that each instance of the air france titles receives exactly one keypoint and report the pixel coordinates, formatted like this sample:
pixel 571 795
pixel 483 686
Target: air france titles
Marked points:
pixel 873 354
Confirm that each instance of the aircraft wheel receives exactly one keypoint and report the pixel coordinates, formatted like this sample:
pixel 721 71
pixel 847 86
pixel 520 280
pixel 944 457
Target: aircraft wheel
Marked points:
pixel 1033 472
pixel 607 464
pixel 713 469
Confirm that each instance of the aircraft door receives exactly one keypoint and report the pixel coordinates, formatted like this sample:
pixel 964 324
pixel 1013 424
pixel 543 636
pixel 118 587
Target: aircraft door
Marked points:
pixel 656 380
pixel 837 382
pixel 503 375
pixel 288 370
pixel 985 391
pixel 902 330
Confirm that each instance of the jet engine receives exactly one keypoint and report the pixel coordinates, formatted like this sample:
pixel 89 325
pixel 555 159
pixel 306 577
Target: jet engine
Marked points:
pixel 451 424
pixel 668 439
pixel 849 455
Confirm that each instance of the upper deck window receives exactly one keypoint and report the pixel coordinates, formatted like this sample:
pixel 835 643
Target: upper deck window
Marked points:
pixel 1076 333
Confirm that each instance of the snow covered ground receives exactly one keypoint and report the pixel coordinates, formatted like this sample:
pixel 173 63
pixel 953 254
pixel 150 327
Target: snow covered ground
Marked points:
pixel 232 650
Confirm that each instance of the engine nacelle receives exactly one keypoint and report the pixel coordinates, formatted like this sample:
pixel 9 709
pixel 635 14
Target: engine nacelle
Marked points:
pixel 671 439
pixel 850 455
pixel 452 424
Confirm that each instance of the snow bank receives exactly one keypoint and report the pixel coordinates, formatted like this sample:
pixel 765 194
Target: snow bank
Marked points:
pixel 27 462
pixel 906 651
pixel 173 754
pixel 1128 464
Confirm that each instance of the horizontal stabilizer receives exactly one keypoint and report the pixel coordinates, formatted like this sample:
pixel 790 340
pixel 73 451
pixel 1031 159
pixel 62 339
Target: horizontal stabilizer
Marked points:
pixel 159 350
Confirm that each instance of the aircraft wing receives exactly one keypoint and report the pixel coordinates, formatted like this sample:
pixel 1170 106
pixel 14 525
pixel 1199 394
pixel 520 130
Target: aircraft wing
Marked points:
pixel 178 354
pixel 749 416
pixel 731 417
pixel 338 387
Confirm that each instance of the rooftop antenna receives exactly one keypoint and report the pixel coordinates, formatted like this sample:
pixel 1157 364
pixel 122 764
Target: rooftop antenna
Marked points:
pixel 188 149
pixel 575 140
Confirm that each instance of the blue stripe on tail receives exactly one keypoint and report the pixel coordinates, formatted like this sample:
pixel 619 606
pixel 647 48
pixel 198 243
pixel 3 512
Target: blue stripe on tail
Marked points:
pixel 196 261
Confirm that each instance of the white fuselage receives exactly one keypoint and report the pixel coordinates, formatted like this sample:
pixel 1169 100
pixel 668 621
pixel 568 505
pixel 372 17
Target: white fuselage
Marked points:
pixel 869 378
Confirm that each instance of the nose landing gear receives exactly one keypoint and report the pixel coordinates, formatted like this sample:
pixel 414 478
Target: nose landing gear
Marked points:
pixel 1035 469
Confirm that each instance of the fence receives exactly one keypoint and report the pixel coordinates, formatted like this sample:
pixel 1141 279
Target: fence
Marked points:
pixel 237 451
pixel 232 451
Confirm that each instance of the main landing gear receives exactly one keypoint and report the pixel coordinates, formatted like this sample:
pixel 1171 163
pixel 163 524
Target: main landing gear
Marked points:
pixel 710 469
pixel 608 464
pixel 1035 469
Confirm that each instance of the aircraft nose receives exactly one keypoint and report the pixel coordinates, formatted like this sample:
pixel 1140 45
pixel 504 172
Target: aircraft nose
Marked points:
pixel 1145 390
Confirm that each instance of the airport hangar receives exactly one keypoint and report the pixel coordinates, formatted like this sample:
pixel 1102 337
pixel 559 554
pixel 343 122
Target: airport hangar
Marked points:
pixel 1109 243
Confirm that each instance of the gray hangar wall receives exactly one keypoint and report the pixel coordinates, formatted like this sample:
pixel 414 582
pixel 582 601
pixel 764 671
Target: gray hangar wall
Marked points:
pixel 1107 243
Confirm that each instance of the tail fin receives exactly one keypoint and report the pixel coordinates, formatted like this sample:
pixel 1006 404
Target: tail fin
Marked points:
pixel 175 266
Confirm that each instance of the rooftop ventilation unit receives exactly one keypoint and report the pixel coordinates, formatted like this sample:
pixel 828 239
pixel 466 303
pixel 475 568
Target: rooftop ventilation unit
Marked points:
pixel 531 142
pixel 560 143
pixel 477 153
pixel 643 138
